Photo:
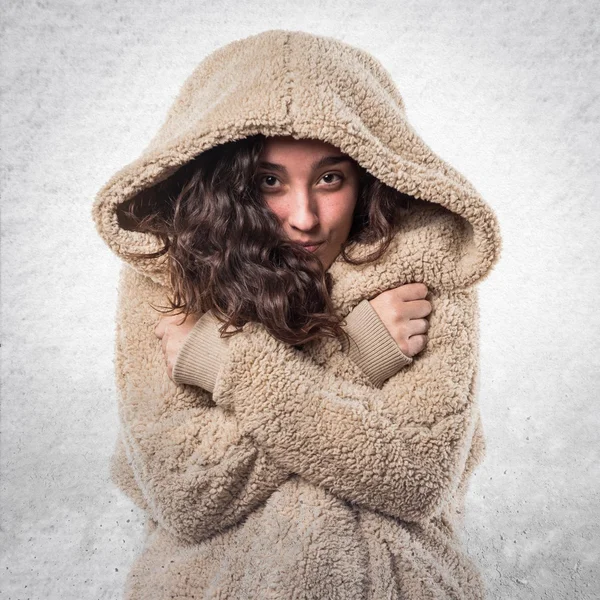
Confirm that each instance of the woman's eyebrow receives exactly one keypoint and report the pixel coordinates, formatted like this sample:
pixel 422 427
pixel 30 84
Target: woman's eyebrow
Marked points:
pixel 325 161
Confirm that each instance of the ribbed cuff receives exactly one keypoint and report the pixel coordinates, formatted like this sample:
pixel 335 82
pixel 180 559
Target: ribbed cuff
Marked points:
pixel 377 354
pixel 201 355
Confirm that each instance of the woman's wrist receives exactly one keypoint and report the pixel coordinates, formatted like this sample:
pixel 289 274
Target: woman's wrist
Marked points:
pixel 372 347
pixel 202 354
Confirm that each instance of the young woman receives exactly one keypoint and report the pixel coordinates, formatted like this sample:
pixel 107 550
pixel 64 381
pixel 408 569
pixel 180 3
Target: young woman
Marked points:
pixel 313 190
pixel 296 422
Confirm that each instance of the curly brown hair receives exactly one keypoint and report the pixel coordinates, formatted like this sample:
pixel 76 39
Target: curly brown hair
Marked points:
pixel 227 250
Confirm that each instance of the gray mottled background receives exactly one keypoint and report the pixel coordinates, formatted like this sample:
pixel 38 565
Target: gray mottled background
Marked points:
pixel 505 91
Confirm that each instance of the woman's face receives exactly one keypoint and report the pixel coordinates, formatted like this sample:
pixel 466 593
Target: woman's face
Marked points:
pixel 314 202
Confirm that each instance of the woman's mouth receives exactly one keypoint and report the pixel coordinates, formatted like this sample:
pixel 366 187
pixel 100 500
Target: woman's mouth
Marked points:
pixel 312 248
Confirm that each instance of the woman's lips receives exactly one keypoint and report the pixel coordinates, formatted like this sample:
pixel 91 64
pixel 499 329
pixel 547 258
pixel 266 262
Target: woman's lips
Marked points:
pixel 312 248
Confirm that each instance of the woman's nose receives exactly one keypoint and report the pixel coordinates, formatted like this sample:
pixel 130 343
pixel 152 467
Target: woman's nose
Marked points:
pixel 303 211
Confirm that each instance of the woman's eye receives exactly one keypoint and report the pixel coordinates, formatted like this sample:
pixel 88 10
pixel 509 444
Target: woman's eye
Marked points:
pixel 265 177
pixel 332 175
pixel 270 180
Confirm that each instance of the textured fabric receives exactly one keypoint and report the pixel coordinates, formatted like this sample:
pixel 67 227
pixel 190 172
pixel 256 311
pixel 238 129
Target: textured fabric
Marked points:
pixel 200 358
pixel 297 477
pixel 372 348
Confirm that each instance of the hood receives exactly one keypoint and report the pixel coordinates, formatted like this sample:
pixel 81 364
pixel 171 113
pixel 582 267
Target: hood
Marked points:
pixel 320 88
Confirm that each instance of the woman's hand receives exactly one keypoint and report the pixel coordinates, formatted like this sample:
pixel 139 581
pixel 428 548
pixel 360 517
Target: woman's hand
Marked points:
pixel 172 332
pixel 403 311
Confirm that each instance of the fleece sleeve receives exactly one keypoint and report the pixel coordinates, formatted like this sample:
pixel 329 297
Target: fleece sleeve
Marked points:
pixel 178 456
pixel 372 349
pixel 399 450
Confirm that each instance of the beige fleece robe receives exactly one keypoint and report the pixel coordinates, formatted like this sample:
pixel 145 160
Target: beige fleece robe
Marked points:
pixel 372 348
pixel 274 472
